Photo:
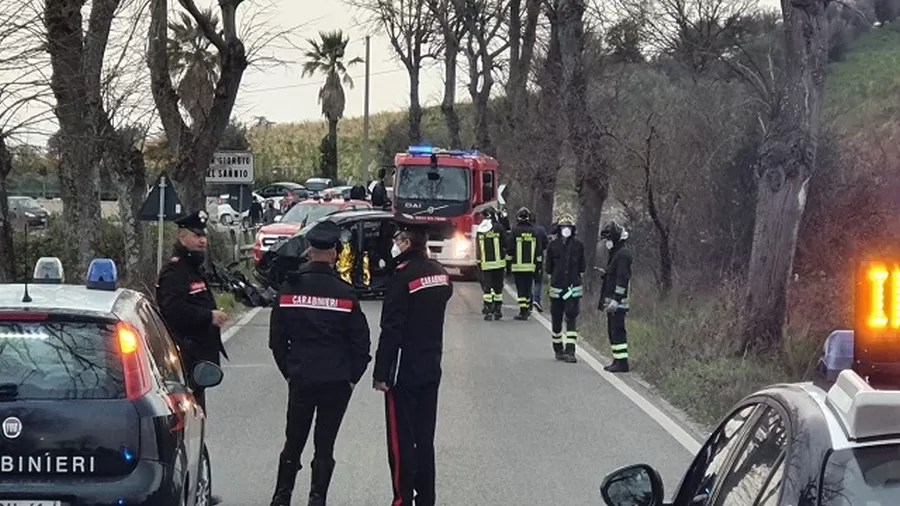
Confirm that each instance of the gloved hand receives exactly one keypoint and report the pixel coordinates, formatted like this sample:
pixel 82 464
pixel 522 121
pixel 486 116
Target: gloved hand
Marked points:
pixel 611 307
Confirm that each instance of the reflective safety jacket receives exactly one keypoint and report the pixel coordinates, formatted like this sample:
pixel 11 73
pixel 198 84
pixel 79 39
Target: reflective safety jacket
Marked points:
pixel 525 249
pixel 347 266
pixel 617 280
pixel 491 247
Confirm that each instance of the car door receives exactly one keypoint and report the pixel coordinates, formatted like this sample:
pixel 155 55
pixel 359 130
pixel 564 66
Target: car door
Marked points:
pixel 710 465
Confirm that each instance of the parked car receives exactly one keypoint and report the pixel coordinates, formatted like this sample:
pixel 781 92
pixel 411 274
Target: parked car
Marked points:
pixel 277 191
pixel 318 184
pixel 23 209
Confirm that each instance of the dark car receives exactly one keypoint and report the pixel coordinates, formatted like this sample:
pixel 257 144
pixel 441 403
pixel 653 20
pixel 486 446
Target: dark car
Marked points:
pixel 280 189
pixel 804 444
pixel 95 406
pixel 27 210
pixel 368 230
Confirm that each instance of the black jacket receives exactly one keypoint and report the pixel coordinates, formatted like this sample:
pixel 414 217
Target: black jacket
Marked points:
pixel 540 243
pixel 412 322
pixel 617 279
pixel 317 331
pixel 186 303
pixel 565 262
pixel 379 195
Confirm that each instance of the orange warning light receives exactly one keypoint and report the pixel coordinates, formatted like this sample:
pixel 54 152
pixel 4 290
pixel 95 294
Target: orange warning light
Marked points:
pixel 876 341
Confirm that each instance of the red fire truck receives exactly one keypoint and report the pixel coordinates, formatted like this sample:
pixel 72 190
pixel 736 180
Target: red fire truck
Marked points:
pixel 449 187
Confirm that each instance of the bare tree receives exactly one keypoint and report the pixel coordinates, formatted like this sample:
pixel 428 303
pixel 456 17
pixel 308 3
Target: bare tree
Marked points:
pixel 193 146
pixel 453 30
pixel 787 161
pixel 22 84
pixel 522 35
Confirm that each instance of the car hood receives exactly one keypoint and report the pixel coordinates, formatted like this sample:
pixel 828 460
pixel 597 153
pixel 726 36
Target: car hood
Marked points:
pixel 281 228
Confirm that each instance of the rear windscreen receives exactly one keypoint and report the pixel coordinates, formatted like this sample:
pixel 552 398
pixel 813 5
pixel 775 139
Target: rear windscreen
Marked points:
pixel 59 360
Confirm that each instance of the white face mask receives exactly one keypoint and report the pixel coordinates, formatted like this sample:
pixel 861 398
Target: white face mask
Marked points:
pixel 395 251
pixel 609 245
pixel 566 232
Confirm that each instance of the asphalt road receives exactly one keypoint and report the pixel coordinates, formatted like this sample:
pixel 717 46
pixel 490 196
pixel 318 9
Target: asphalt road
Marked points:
pixel 515 426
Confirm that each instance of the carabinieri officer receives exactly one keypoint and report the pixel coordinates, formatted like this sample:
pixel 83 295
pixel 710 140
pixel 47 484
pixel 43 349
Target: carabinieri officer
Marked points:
pixel 319 337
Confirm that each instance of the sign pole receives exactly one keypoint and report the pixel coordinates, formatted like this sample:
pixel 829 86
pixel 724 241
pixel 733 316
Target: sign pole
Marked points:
pixel 241 205
pixel 365 168
pixel 160 223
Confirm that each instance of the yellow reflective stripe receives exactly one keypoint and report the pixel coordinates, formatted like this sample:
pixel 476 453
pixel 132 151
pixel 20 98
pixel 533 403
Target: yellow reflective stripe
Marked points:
pixel 571 337
pixel 557 338
pixel 620 351
pixel 620 290
pixel 620 355
pixel 523 268
pixel 488 297
pixel 498 297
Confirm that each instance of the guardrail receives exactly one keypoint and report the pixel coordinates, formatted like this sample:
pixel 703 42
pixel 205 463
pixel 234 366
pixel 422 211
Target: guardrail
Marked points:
pixel 242 239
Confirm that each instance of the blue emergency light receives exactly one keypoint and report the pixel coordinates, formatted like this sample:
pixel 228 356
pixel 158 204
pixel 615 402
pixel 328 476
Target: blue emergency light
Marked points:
pixel 48 270
pixel 102 274
pixel 420 150
pixel 838 354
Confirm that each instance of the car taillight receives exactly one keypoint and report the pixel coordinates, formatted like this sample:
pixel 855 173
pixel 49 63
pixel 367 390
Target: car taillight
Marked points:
pixel 22 316
pixel 137 379
pixel 179 404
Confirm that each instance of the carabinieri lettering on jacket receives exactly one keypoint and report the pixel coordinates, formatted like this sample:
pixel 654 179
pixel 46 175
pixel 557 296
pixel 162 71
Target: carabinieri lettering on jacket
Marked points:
pixel 46 464
pixel 428 282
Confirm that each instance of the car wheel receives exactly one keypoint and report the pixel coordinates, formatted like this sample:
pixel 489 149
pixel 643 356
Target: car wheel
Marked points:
pixel 204 480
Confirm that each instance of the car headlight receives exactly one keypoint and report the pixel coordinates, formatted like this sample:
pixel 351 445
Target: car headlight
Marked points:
pixel 462 246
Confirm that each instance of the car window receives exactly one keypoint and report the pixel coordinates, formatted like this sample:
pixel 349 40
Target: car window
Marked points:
pixel 867 476
pixel 769 495
pixel 308 213
pixel 58 359
pixel 754 463
pixel 705 472
pixel 162 348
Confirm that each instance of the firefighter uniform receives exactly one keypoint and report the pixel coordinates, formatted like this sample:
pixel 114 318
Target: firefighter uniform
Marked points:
pixel 524 253
pixel 319 338
pixel 408 362
pixel 491 240
pixel 614 293
pixel 186 302
pixel 565 265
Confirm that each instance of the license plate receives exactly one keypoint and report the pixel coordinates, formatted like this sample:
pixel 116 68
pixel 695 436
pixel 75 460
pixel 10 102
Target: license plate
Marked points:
pixel 25 502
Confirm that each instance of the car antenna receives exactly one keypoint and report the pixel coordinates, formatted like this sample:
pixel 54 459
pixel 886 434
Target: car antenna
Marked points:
pixel 26 297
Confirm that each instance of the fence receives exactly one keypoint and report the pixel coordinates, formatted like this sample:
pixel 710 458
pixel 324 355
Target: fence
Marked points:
pixel 242 239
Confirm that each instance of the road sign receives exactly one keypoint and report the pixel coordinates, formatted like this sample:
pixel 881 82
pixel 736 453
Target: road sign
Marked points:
pixel 231 167
pixel 500 194
pixel 170 203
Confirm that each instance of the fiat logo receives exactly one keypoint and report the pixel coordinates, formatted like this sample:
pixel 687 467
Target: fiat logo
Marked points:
pixel 12 427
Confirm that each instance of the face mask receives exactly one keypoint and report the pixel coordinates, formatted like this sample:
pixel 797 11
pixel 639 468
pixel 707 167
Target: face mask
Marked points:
pixel 395 251
pixel 566 232
pixel 609 245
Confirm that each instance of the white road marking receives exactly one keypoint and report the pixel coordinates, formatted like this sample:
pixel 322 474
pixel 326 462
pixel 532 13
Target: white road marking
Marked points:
pixel 234 329
pixel 664 420
pixel 245 366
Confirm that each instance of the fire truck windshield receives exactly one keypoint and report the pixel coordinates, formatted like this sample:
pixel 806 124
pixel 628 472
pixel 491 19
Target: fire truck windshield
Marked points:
pixel 444 183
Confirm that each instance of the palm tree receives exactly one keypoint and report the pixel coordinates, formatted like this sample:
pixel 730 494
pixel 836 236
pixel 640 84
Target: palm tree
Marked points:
pixel 195 67
pixel 326 56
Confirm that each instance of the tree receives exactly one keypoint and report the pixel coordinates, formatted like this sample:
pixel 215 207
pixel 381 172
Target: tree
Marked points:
pixel 787 161
pixel 193 146
pixel 326 57
pixel 194 64
pixel 453 29
pixel 410 28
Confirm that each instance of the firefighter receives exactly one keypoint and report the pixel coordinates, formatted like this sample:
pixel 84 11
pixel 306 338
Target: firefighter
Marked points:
pixel 614 293
pixel 524 254
pixel 565 265
pixel 319 338
pixel 491 239
pixel 541 234
pixel 408 365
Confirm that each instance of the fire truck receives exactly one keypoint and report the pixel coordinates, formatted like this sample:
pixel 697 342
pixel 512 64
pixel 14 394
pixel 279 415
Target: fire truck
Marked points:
pixel 450 188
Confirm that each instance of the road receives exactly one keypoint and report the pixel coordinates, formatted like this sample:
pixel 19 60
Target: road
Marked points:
pixel 515 426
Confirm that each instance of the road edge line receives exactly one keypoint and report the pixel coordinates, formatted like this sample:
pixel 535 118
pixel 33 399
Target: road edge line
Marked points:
pixel 238 325
pixel 665 421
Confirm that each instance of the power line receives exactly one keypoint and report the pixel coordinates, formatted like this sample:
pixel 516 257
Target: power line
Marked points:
pixel 304 85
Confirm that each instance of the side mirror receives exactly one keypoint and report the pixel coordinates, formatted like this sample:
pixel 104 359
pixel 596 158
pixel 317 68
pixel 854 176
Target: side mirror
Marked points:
pixel 278 217
pixel 207 374
pixel 633 485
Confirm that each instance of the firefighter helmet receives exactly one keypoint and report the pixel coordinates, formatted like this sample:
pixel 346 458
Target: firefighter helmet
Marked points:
pixel 614 232
pixel 566 220
pixel 523 214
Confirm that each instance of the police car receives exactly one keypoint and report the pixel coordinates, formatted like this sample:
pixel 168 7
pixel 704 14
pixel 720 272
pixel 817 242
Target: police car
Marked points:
pixel 95 407
pixel 831 442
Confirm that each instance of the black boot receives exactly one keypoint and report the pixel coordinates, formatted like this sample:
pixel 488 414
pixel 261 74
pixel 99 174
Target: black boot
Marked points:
pixel 284 487
pixel 569 355
pixel 558 350
pixel 523 314
pixel 498 311
pixel 321 478
pixel 488 311
pixel 618 365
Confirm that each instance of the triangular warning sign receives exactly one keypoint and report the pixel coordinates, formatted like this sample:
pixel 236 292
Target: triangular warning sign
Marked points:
pixel 171 210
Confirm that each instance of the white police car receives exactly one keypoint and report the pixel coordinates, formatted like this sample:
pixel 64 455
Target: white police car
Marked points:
pixel 833 442
pixel 95 406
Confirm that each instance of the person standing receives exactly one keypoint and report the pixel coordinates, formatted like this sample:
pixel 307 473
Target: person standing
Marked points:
pixel 614 292
pixel 408 364
pixel 490 236
pixel 319 339
pixel 565 265
pixel 379 191
pixel 524 254
pixel 541 234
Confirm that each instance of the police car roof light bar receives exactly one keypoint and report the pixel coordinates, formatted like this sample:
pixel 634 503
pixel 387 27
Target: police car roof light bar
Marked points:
pixel 48 270
pixel 102 274
pixel 863 411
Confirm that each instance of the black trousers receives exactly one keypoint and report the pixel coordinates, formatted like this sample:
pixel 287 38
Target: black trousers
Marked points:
pixel 524 289
pixel 328 401
pixel 568 308
pixel 492 285
pixel 618 336
pixel 411 414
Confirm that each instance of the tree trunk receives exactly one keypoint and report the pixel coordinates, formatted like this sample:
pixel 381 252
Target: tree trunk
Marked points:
pixel 544 193
pixel 482 117
pixel 415 107
pixel 787 161
pixel 448 109
pixel 7 250
pixel 130 177
pixel 332 170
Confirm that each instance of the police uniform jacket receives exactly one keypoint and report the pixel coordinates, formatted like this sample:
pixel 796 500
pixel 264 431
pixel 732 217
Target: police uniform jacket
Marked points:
pixel 412 322
pixel 565 262
pixel 617 279
pixel 318 332
pixel 186 304
pixel 531 249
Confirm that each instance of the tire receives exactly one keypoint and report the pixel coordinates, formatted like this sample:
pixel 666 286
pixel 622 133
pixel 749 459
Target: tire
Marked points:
pixel 204 480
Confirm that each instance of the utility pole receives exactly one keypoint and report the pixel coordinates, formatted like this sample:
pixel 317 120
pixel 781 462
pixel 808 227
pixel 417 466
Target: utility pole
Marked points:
pixel 365 158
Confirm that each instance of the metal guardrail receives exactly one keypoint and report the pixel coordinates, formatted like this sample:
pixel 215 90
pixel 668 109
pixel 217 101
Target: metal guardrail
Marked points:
pixel 242 239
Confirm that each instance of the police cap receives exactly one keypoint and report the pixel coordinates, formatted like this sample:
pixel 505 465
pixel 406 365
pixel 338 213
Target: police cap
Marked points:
pixel 195 222
pixel 324 235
